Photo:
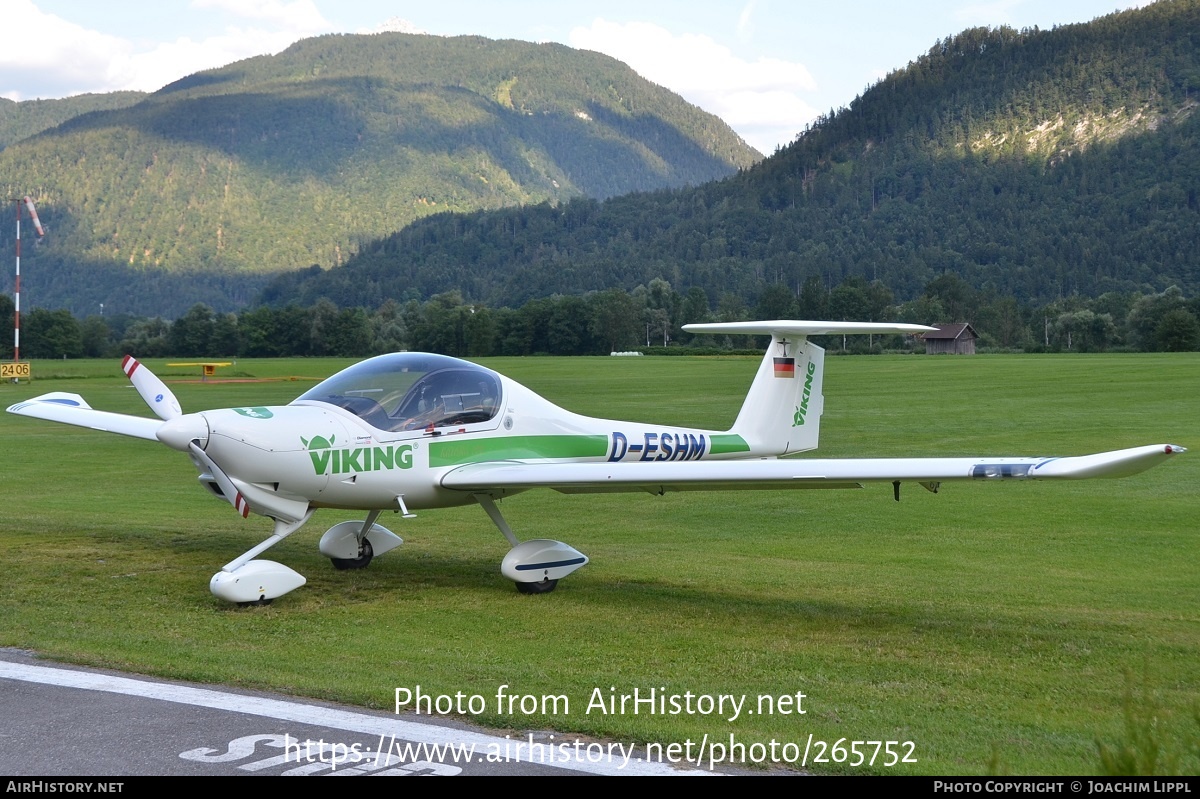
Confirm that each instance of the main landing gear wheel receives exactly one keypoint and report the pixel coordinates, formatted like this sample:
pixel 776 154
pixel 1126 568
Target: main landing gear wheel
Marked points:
pixel 260 602
pixel 544 587
pixel 365 553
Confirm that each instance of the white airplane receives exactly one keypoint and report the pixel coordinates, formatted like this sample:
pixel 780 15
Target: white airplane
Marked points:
pixel 413 431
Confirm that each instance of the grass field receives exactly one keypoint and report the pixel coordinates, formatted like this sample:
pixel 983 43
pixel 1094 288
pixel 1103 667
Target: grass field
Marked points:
pixel 999 627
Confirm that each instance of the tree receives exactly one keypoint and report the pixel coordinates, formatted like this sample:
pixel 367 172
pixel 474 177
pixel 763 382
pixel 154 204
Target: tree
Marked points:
pixel 731 308
pixel 480 332
pixel 567 330
pixel 96 337
pixel 6 313
pixel 322 318
pixel 440 325
pixel 662 309
pixel 695 306
pixel 256 333
pixel 191 333
pixel 848 302
pixel 51 334
pixel 388 333
pixel 814 299
pixel 224 339
pixel 656 321
pixel 1084 331
pixel 615 319
pixel 1178 331
pixel 879 301
pixel 148 338
pixel 1148 313
pixel 350 335
pixel 955 294
pixel 1000 322
pixel 921 311
pixel 776 302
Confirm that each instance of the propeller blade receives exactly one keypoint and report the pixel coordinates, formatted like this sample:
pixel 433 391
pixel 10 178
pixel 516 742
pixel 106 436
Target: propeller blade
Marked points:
pixel 153 391
pixel 230 491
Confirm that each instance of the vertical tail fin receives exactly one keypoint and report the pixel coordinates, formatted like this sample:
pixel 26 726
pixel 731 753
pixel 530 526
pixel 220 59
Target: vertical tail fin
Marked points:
pixel 782 411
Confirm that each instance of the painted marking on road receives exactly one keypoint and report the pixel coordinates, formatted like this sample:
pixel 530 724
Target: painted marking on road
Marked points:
pixel 309 714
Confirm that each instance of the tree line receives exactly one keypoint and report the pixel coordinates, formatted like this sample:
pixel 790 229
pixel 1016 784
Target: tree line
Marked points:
pixel 650 317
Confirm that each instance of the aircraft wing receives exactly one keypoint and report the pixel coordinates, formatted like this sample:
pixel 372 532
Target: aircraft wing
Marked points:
pixel 792 473
pixel 59 406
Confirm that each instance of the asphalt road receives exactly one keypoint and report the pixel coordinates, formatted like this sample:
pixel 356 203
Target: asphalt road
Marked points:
pixel 68 721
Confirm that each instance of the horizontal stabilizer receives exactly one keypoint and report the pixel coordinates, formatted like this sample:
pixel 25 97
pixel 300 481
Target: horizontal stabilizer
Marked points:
pixel 791 327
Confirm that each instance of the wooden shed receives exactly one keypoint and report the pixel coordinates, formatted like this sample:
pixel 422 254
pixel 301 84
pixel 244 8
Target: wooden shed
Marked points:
pixel 951 339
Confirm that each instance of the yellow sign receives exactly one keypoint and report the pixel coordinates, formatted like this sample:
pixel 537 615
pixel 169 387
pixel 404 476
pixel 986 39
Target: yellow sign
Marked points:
pixel 13 371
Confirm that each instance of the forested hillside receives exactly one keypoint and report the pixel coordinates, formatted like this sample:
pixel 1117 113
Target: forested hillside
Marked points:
pixel 278 162
pixel 1037 165
pixel 30 117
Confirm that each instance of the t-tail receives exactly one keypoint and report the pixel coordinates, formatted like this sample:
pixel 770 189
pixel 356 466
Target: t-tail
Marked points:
pixel 782 411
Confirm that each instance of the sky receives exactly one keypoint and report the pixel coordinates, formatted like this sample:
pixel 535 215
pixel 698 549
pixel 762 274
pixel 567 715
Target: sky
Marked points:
pixel 767 67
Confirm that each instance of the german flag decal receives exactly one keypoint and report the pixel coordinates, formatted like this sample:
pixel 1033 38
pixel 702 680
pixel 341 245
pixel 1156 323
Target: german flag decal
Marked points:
pixel 785 367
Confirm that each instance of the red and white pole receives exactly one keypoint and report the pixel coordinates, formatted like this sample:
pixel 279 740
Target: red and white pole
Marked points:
pixel 17 292
pixel 37 224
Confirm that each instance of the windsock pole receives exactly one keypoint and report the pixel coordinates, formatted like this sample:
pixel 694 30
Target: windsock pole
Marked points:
pixel 28 202
pixel 16 313
pixel 17 292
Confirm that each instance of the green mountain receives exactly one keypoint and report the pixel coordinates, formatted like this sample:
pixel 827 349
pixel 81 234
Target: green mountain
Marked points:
pixel 1033 164
pixel 202 189
pixel 30 117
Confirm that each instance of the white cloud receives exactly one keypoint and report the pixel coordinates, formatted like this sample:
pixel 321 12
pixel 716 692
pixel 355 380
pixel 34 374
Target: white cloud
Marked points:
pixel 760 99
pixel 58 58
pixel 55 56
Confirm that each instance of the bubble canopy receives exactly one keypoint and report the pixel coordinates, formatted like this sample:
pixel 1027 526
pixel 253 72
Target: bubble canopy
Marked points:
pixel 412 391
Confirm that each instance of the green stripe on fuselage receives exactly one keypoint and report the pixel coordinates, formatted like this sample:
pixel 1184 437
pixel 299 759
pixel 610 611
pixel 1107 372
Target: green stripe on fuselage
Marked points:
pixel 479 450
pixel 723 444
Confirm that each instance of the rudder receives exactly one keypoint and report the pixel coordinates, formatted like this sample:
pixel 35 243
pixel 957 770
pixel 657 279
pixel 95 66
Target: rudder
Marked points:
pixel 782 411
